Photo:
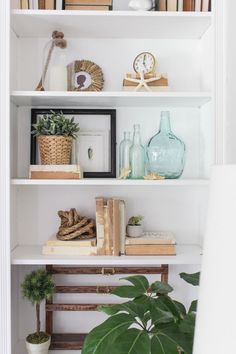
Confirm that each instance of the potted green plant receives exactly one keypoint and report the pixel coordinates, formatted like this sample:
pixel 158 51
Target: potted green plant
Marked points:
pixel 36 287
pixel 134 227
pixel 150 323
pixel 55 133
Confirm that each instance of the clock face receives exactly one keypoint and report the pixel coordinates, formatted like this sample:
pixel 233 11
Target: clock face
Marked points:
pixel 144 62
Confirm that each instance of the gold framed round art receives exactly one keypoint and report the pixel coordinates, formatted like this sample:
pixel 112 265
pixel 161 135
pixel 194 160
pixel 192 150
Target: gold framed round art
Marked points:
pixel 84 75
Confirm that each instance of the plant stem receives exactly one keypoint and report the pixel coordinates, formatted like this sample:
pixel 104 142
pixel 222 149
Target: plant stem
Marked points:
pixel 38 318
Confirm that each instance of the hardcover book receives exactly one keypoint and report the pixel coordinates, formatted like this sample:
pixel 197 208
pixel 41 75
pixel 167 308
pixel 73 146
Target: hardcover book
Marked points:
pixel 55 172
pixel 162 5
pixel 152 238
pixel 188 5
pixel 150 250
pixel 171 5
pixel 88 2
pixel 53 241
pixel 205 5
pixel 69 251
pixel 24 4
pixel 87 8
pixel 198 5
pixel 100 225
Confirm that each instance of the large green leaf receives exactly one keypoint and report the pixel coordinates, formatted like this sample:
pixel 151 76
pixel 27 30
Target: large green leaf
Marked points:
pixel 165 303
pixel 181 307
pixel 132 341
pixel 158 315
pixel 161 344
pixel 188 323
pixel 193 306
pixel 134 308
pixel 193 279
pixel 161 288
pixel 127 291
pixel 100 339
pixel 139 281
pixel 173 332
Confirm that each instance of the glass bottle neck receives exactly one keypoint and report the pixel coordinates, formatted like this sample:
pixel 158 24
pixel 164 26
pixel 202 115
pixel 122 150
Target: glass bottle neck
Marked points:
pixel 126 135
pixel 137 136
pixel 165 124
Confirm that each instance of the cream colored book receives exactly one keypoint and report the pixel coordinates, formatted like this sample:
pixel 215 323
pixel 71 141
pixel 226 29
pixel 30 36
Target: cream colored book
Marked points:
pixel 116 227
pixel 122 227
pixel 55 172
pixel 69 251
pixel 171 5
pixel 88 2
pixel 100 225
pixel 152 238
pixel 53 241
pixel 150 250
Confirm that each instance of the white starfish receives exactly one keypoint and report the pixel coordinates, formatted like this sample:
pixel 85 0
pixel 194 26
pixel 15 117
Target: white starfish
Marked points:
pixel 142 82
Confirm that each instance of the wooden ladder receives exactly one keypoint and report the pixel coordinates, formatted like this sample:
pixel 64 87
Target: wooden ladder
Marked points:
pixel 74 341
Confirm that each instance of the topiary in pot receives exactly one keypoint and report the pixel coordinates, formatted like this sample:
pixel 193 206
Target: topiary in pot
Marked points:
pixel 150 323
pixel 134 227
pixel 36 287
pixel 55 133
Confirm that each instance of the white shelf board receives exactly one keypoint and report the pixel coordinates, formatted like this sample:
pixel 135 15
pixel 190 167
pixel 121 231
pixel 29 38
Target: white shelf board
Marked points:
pixel 109 99
pixel 108 182
pixel 111 24
pixel 25 255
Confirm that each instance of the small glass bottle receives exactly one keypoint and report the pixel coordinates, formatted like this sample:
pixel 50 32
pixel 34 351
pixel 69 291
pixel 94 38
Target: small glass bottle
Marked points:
pixel 166 152
pixel 137 155
pixel 124 151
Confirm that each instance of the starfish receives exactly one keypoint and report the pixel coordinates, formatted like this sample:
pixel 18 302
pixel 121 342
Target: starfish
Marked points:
pixel 142 82
pixel 153 176
pixel 125 172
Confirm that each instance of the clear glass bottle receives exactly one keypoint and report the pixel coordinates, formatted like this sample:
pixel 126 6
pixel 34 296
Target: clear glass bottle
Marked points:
pixel 166 152
pixel 124 149
pixel 137 155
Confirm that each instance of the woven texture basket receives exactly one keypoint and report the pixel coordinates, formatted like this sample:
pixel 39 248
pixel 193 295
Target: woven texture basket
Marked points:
pixel 55 150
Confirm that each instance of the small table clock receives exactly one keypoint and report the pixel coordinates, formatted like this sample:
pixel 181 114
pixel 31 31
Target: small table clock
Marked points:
pixel 144 62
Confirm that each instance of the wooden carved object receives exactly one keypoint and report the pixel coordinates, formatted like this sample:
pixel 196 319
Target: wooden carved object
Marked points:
pixel 73 226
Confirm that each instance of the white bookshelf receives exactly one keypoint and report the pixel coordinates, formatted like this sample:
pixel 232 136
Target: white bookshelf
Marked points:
pixel 32 255
pixel 113 24
pixel 189 47
pixel 111 182
pixel 110 99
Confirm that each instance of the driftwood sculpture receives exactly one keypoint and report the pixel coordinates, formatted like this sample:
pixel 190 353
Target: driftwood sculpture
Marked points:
pixel 73 226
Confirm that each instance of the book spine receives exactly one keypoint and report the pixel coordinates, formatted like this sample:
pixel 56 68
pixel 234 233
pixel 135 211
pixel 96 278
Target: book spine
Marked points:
pixel 150 250
pixel 110 225
pixel 42 4
pixel 87 8
pixel 36 4
pixel 205 5
pixel 72 251
pixel 171 5
pixel 49 4
pixel 122 227
pixel 198 5
pixel 59 4
pixel 31 4
pixel 24 4
pixel 88 2
pixel 100 225
pixel 106 232
pixel 116 227
pixel 180 5
pixel 188 5
pixel 162 5
pixel 54 175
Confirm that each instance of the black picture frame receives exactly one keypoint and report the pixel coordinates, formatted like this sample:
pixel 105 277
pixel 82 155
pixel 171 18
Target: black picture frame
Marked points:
pixel 96 112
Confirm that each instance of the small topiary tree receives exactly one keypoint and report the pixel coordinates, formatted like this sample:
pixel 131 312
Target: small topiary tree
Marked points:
pixel 36 287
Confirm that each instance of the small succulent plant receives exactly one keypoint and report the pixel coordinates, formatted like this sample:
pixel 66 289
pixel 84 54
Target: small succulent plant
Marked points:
pixel 135 220
pixel 55 123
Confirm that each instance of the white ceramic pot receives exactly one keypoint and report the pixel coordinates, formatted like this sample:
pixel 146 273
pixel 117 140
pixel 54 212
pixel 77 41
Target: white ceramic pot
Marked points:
pixel 38 348
pixel 134 230
pixel 141 5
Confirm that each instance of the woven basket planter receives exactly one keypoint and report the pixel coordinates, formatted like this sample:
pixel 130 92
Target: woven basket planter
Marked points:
pixel 55 150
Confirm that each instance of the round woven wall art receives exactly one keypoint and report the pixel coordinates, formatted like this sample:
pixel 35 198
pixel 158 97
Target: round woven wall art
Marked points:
pixel 84 75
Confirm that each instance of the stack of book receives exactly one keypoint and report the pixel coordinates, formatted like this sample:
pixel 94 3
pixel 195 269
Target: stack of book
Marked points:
pixel 41 4
pixel 55 172
pixel 111 227
pixel 70 248
pixel 88 5
pixel 160 84
pixel 151 244
pixel 183 5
